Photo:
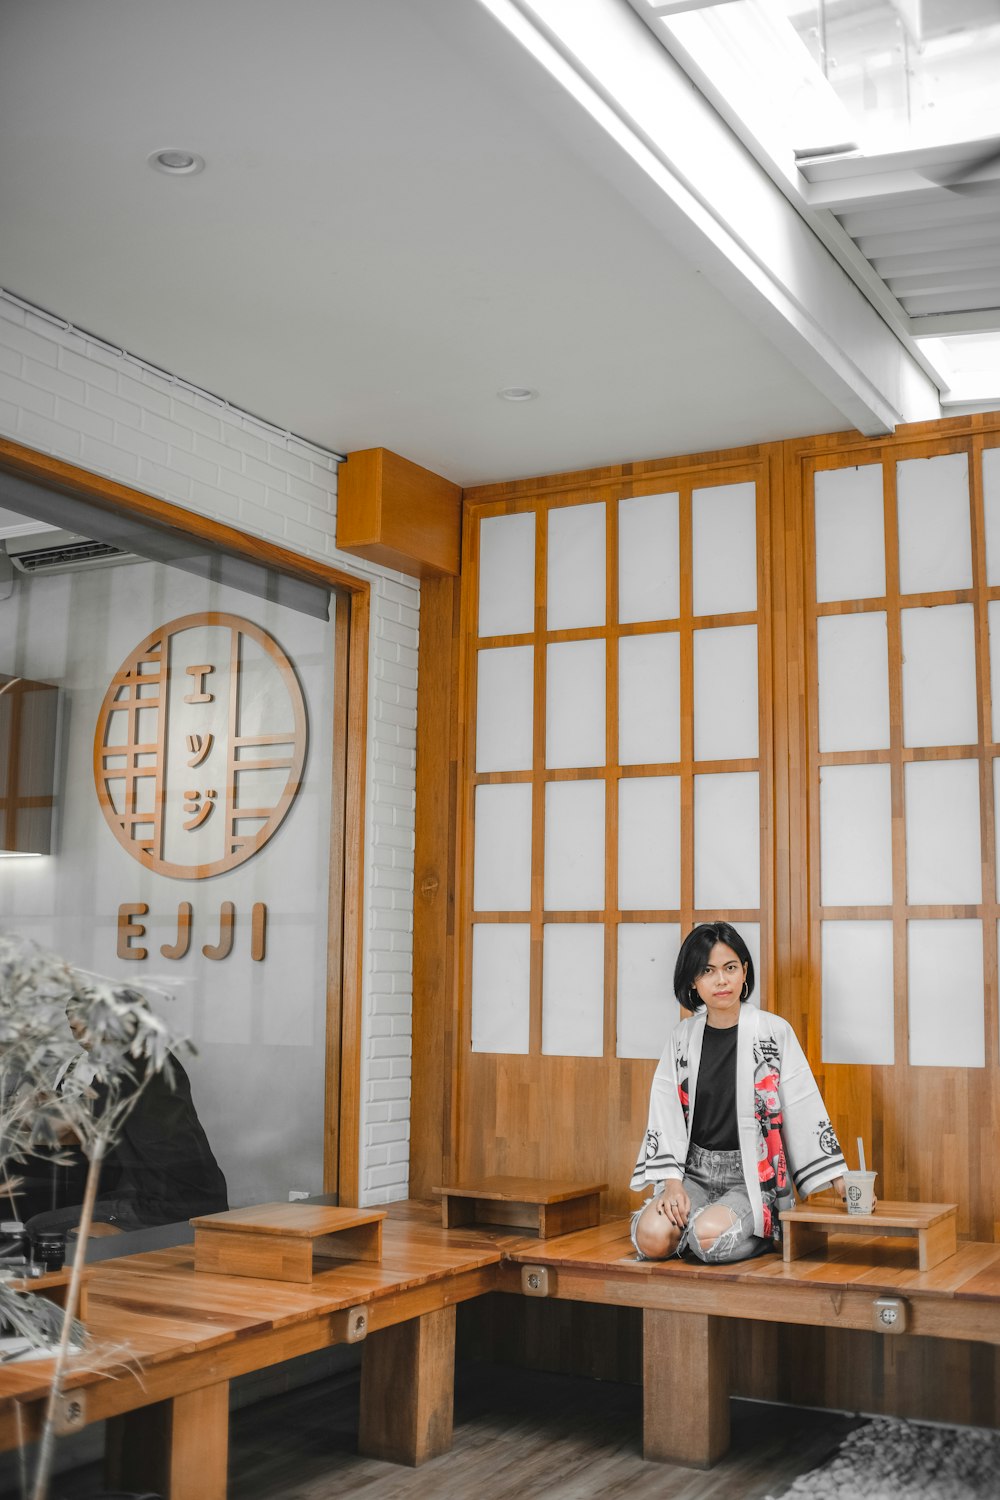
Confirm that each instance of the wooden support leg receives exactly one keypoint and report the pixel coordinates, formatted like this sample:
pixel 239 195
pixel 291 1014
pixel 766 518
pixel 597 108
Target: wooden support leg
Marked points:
pixel 685 1388
pixel 408 1389
pixel 179 1448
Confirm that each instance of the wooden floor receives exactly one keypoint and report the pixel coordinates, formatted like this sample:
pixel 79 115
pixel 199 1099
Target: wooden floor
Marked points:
pixel 517 1434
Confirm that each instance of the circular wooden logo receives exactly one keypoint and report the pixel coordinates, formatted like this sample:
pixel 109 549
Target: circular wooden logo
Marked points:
pixel 200 745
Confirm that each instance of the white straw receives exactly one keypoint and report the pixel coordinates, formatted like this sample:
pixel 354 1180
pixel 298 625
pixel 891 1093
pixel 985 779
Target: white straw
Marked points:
pixel 861 1153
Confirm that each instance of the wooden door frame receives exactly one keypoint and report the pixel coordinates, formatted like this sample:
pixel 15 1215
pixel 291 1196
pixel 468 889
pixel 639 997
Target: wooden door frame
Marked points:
pixel 345 942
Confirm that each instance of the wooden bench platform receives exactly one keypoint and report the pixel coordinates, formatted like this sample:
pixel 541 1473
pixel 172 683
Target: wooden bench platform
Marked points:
pixel 687 1307
pixel 178 1336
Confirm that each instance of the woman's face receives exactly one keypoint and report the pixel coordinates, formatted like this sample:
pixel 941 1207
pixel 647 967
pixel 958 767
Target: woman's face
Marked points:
pixel 720 985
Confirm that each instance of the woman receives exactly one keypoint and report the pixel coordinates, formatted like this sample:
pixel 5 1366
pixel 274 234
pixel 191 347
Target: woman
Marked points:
pixel 734 1109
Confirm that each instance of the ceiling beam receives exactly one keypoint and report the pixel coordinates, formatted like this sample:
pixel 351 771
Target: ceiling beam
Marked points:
pixel 668 151
pixel 940 325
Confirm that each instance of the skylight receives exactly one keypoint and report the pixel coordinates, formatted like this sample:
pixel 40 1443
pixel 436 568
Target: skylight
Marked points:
pixel 909 72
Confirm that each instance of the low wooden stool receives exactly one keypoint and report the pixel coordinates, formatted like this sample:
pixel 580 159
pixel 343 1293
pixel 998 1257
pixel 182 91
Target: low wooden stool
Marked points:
pixel 551 1208
pixel 932 1225
pixel 285 1241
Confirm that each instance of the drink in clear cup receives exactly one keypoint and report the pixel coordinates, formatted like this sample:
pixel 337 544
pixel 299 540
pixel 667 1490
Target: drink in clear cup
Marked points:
pixel 860 1188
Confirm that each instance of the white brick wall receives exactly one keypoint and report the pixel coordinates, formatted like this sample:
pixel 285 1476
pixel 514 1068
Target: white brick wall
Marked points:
pixel 67 396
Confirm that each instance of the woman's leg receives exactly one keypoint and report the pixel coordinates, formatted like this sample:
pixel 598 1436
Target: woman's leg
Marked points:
pixel 653 1235
pixel 723 1231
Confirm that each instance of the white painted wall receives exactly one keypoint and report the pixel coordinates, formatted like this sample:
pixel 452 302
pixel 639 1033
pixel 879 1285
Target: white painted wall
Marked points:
pixel 63 395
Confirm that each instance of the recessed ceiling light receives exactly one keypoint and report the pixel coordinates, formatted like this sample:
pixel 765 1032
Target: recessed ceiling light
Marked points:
pixel 176 163
pixel 517 393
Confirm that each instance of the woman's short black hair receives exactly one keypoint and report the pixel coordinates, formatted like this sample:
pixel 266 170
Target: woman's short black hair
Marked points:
pixel 693 957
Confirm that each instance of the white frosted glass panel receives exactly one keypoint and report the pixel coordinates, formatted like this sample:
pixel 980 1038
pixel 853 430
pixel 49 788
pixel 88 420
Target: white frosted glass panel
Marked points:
pixel 649 698
pixel 857 993
pixel 577 584
pixel 855 819
pixel 649 843
pixel 647 1010
pixel 507 574
pixel 993 610
pixel 574 704
pixel 504 709
pixel 939 676
pixel 574 846
pixel 947 999
pixel 726 841
pixel 501 954
pixel 850 534
pixel 648 558
pixel 502 873
pixel 853 660
pixel 725 693
pixel 724 549
pixel 991 512
pixel 943 850
pixel 935 545
pixel 573 989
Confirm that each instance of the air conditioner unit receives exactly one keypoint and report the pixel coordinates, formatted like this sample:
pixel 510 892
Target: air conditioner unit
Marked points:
pixel 62 552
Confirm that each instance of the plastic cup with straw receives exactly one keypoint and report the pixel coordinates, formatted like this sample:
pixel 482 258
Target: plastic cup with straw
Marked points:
pixel 860 1185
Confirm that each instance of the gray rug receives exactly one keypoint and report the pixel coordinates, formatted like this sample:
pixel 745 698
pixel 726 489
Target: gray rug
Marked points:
pixel 892 1460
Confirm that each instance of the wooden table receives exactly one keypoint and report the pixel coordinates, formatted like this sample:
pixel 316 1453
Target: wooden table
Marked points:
pixel 182 1335
pixel 932 1226
pixel 549 1208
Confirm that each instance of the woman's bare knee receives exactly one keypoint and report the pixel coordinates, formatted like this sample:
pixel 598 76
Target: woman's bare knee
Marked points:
pixel 655 1236
pixel 711 1223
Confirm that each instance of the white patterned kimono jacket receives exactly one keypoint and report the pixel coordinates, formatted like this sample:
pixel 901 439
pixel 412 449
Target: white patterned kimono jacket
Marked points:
pixel 784 1128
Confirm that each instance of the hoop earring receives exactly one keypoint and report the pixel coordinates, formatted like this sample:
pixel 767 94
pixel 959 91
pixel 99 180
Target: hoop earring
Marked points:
pixel 745 992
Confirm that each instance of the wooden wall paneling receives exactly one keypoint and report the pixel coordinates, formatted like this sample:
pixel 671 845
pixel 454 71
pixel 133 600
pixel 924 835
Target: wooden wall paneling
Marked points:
pixel 434 989
pixel 536 1114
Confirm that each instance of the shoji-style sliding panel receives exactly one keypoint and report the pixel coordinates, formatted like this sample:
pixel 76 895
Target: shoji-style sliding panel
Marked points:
pixel 902 593
pixel 617 783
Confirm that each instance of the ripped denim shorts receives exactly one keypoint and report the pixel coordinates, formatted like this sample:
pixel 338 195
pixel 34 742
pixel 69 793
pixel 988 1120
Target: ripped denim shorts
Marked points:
pixel 715 1178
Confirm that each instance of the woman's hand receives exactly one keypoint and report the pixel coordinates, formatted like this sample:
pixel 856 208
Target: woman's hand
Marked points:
pixel 673 1203
pixel 840 1188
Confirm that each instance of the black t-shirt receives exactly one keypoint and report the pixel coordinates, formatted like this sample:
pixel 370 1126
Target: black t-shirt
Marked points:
pixel 715 1125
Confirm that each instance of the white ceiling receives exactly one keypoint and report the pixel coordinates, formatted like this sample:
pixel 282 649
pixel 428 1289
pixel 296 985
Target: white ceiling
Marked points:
pixel 400 215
